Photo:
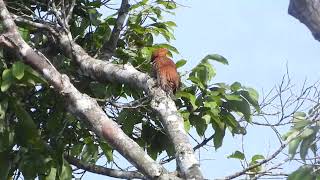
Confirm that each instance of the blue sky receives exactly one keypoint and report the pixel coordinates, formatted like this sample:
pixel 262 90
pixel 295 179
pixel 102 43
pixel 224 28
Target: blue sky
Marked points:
pixel 258 38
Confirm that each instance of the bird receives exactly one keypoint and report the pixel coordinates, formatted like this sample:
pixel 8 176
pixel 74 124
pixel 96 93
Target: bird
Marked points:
pixel 164 70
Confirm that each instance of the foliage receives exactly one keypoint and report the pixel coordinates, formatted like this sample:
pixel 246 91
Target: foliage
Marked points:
pixel 303 140
pixel 218 104
pixel 36 130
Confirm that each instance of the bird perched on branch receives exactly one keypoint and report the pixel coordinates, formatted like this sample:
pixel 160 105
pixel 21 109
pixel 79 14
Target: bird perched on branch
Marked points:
pixel 165 71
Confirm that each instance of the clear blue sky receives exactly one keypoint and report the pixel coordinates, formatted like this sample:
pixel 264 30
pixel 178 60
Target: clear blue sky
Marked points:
pixel 258 38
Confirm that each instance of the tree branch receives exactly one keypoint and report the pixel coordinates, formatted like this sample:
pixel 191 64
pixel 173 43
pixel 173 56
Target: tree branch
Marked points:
pixel 80 105
pixel 109 47
pixel 242 172
pixel 69 15
pixel 56 13
pixel 103 170
pixel 172 121
pixel 165 107
pixel 42 25
pixel 308 12
pixel 275 154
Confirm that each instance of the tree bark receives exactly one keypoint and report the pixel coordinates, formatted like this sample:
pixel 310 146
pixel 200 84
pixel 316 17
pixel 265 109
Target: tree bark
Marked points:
pixel 308 13
pixel 80 105
pixel 105 71
pixel 165 107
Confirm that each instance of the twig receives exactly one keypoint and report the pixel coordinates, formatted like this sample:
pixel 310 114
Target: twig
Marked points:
pixel 109 47
pixel 103 170
pixel 69 15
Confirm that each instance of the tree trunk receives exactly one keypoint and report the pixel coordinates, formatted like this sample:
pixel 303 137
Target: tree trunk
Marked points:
pixel 307 12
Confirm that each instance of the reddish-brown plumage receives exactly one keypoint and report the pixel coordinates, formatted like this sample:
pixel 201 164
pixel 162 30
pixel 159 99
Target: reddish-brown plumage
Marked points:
pixel 165 71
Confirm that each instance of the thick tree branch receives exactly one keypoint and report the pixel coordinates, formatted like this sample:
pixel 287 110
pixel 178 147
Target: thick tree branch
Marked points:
pixel 109 46
pixel 308 12
pixel 42 25
pixel 103 170
pixel 105 71
pixel 57 13
pixel 69 14
pixel 161 103
pixel 81 105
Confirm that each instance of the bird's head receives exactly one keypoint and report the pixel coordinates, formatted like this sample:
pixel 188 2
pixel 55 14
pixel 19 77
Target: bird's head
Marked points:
pixel 160 52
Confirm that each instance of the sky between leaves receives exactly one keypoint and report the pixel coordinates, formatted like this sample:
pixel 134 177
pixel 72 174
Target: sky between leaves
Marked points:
pixel 259 39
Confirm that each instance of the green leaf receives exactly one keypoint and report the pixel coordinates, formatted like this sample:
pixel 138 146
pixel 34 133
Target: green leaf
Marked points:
pixel 305 145
pixel 242 107
pixel 26 130
pixel 5 85
pixel 114 90
pixel 217 58
pixel 76 149
pixel 52 175
pixel 153 153
pixel 219 132
pixel 5 165
pixel 168 4
pixel 168 46
pixel 171 24
pixel 66 171
pixel 191 98
pixel 90 152
pixel 18 70
pixel 186 124
pixel 148 39
pixel 252 97
pixel 299 120
pixel 237 155
pixel 235 86
pixel 3 110
pixel 25 34
pixel 233 97
pixel 181 63
pixel 32 77
pixel 7 80
pixel 314 148
pixel 293 146
pixel 98 89
pixel 290 135
pixel 94 16
pixel 139 4
pixel 232 123
pixel 7 139
pixel 185 114
pixel 206 72
pixel 307 132
pixel 129 119
pixel 299 114
pixel 107 150
pixel 223 85
pixel 202 73
pixel 201 126
pixel 257 157
pixel 197 82
pixel 207 118
pixel 218 138
pixel 304 172
pixel 159 25
pixel 253 94
pixel 210 104
pixel 301 123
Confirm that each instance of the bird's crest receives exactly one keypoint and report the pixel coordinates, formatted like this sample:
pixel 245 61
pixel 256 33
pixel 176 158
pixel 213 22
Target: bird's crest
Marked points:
pixel 160 52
